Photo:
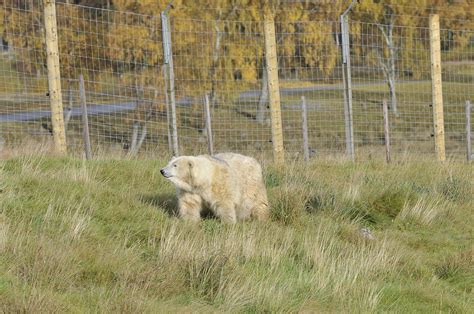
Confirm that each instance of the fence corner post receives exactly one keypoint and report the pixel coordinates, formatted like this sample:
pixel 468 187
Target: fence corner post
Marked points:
pixel 54 77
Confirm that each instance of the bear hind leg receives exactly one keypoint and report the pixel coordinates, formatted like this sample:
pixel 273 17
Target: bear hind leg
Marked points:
pixel 260 212
pixel 226 213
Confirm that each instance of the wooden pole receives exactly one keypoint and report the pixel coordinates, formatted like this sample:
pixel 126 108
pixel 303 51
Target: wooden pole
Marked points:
pixel 437 90
pixel 304 126
pixel 85 119
pixel 386 126
pixel 468 130
pixel 54 76
pixel 207 108
pixel 273 89
pixel 168 60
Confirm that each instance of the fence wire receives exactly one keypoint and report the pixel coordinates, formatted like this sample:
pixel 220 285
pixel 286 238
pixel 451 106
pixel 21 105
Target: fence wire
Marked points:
pixel 120 56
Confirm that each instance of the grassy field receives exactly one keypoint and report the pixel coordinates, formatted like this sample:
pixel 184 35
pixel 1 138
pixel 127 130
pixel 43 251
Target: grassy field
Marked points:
pixel 101 236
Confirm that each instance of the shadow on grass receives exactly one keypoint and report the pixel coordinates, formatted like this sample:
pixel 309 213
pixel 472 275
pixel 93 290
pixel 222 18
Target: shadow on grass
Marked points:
pixel 168 203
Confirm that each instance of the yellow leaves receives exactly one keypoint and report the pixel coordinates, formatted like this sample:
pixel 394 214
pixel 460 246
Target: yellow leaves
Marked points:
pixel 133 44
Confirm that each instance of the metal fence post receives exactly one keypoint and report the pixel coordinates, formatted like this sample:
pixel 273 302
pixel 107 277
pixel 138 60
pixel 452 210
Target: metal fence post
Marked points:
pixel 54 76
pixel 468 130
pixel 346 76
pixel 169 76
pixel 168 113
pixel 207 107
pixel 304 127
pixel 85 118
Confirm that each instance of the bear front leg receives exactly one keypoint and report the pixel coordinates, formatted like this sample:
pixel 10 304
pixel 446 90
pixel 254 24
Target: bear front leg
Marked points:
pixel 190 206
pixel 226 213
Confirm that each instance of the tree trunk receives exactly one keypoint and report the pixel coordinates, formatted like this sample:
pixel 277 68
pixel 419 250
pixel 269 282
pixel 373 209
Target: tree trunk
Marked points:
pixel 393 95
pixel 263 100
pixel 392 71
pixel 389 66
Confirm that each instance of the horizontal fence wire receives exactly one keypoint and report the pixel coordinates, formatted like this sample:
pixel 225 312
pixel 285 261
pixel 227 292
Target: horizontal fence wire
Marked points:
pixel 120 55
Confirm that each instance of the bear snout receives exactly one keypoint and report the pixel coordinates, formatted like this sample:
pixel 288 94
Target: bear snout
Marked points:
pixel 166 173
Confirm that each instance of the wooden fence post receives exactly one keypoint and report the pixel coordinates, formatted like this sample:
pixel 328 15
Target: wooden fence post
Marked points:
pixel 386 129
pixel 304 127
pixel 468 130
pixel 207 108
pixel 54 76
pixel 437 90
pixel 273 89
pixel 85 119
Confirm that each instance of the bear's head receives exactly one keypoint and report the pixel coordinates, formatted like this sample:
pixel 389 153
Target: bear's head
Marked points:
pixel 186 172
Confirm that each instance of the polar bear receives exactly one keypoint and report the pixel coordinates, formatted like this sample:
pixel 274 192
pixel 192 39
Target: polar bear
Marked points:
pixel 228 184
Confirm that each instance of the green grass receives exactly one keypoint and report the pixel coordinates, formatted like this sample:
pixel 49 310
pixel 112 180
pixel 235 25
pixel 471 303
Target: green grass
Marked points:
pixel 100 236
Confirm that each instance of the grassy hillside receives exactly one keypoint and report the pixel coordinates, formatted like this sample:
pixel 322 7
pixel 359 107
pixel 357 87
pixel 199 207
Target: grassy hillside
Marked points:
pixel 100 236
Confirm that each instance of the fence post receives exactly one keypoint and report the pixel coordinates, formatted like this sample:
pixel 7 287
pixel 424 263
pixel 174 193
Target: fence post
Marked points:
pixel 68 111
pixel 437 90
pixel 169 76
pixel 168 114
pixel 207 108
pixel 346 76
pixel 386 128
pixel 54 76
pixel 304 126
pixel 468 130
pixel 85 119
pixel 273 89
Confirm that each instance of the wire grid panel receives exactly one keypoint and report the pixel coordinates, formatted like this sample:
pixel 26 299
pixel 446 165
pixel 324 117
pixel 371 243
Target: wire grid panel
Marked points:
pixel 120 57
pixel 223 59
pixel 228 64
pixel 457 55
pixel 23 84
pixel 391 63
pixel 309 58
pixel 119 54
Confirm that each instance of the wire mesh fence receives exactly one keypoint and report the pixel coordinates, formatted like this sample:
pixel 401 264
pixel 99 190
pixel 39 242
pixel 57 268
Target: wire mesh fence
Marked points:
pixel 121 57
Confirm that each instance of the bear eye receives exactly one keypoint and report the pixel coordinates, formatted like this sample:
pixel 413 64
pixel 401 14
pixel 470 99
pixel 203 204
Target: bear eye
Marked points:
pixel 175 165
